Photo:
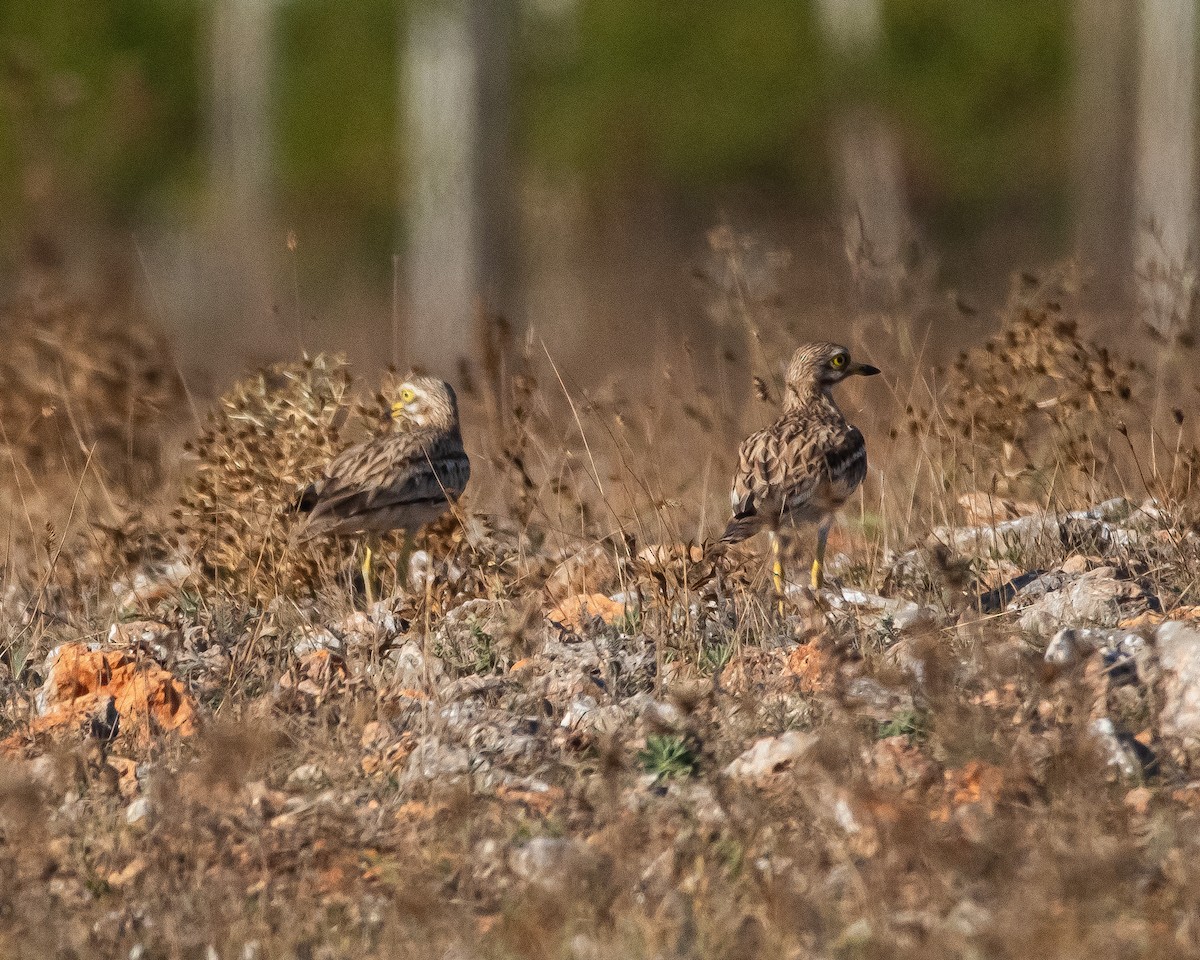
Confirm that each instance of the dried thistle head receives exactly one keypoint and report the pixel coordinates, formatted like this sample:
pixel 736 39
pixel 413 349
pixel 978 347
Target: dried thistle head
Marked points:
pixel 1037 398
pixel 269 436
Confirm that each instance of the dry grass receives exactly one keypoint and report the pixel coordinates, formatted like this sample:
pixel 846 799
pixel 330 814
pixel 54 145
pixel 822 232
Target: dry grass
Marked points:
pixel 966 815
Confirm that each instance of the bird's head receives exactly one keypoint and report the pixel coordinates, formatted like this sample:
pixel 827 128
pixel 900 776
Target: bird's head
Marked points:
pixel 424 402
pixel 816 367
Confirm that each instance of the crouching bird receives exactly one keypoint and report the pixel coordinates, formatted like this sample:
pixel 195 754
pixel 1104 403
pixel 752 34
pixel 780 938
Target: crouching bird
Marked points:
pixel 804 466
pixel 400 480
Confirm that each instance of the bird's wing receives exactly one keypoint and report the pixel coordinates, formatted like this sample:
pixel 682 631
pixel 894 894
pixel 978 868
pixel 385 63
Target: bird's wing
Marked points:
pixel 783 468
pixel 766 464
pixel 394 471
pixel 435 474
pixel 845 463
pixel 336 476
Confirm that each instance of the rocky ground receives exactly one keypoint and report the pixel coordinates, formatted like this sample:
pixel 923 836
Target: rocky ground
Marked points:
pixel 988 758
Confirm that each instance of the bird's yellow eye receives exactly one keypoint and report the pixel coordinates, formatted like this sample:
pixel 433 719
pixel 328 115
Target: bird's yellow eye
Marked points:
pixel 838 361
pixel 408 395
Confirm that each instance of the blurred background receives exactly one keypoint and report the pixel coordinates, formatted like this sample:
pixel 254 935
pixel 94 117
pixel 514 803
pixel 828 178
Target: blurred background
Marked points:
pixel 371 176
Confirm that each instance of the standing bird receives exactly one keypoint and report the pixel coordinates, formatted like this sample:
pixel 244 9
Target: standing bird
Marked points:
pixel 401 480
pixel 804 466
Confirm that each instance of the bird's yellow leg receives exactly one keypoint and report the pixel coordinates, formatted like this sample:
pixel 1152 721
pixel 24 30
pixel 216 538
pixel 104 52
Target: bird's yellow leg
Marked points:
pixel 368 570
pixel 818 567
pixel 777 569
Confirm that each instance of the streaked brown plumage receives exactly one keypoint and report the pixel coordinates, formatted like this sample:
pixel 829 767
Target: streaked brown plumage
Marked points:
pixel 804 466
pixel 401 480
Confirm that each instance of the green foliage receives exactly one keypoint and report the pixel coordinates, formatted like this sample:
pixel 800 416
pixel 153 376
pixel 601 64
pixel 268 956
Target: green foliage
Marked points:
pixel 484 648
pixel 337 109
pixel 979 89
pixel 731 854
pixel 702 92
pixel 714 656
pixel 913 724
pixel 630 622
pixel 111 97
pixel 103 96
pixel 667 756
pixel 472 653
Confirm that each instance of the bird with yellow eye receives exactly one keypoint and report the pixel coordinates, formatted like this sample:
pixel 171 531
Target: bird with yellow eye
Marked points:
pixel 400 480
pixel 802 468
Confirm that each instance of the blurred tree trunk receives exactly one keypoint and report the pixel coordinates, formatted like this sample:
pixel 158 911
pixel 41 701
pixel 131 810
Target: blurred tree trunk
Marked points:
pixel 1166 167
pixel 878 229
pixel 1104 32
pixel 456 89
pixel 240 287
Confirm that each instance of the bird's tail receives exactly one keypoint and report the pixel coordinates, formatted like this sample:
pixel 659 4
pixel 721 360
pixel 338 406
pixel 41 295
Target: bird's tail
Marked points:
pixel 741 528
pixel 306 499
pixel 737 530
pixel 305 527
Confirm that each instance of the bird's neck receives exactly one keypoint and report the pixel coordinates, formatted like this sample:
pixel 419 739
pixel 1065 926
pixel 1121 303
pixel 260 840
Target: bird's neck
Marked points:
pixel 430 436
pixel 426 429
pixel 807 396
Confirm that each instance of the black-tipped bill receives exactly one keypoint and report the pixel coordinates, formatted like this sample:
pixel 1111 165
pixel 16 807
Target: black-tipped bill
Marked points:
pixel 862 370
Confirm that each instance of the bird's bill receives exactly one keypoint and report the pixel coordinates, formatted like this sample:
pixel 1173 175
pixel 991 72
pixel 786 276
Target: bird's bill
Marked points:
pixel 397 411
pixel 862 370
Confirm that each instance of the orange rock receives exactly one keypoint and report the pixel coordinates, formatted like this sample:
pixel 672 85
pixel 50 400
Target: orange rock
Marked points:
pixel 1187 796
pixel 374 735
pixel 127 779
pixel 989 699
pixel 415 811
pixel 147 698
pixel 1138 800
pixel 1007 697
pixel 579 610
pixel 381 752
pixel 1076 563
pixel 1147 618
pixel 485 923
pixel 540 801
pixel 322 666
pixel 977 784
pixel 330 879
pixel 1179 613
pixel 121 878
pixel 812 666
